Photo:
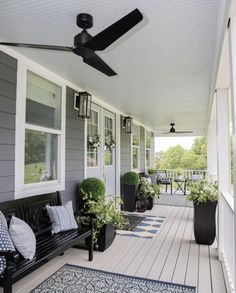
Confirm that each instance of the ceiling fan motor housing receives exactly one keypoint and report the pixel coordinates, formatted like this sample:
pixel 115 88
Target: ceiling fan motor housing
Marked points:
pixel 84 20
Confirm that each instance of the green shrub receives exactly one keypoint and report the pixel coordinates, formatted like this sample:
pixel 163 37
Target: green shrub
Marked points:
pixel 130 178
pixel 93 186
pixel 203 191
pixel 151 171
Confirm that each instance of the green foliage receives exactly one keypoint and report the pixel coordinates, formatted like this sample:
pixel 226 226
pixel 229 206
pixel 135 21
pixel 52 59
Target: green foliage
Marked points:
pixel 34 147
pixel 104 213
pixel 203 191
pixel 151 171
pixel 147 189
pixel 199 146
pixel 130 178
pixel 93 186
pixel 178 158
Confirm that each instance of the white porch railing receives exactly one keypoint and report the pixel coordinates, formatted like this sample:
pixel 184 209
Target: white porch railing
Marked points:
pixel 186 173
pixel 226 214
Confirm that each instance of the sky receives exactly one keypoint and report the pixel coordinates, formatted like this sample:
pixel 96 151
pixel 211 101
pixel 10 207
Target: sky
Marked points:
pixel 163 143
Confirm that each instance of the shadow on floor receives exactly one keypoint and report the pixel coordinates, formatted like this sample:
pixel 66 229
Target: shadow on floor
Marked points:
pixel 173 200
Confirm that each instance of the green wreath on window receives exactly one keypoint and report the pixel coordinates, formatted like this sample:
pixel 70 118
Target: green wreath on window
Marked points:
pixel 94 141
pixel 110 142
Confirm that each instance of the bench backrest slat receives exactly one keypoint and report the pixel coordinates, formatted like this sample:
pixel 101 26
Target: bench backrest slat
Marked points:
pixel 32 210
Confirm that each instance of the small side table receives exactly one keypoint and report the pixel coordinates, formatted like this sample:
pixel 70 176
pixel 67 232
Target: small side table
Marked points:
pixel 181 185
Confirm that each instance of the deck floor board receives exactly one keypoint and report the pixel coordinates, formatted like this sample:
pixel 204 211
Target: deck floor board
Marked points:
pixel 172 256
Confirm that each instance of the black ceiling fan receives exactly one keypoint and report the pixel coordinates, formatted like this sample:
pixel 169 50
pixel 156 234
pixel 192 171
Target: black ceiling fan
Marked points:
pixel 85 45
pixel 172 130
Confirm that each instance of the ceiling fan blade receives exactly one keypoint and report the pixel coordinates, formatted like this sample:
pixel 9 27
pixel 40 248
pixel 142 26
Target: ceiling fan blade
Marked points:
pixel 36 46
pixel 108 36
pixel 96 62
pixel 166 132
pixel 183 131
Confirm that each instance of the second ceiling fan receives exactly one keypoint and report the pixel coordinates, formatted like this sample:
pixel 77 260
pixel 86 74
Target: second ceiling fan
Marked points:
pixel 85 45
pixel 172 130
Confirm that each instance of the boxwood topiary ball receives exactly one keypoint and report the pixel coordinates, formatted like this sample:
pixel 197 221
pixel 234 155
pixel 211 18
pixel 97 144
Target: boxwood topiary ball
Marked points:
pixel 130 178
pixel 94 186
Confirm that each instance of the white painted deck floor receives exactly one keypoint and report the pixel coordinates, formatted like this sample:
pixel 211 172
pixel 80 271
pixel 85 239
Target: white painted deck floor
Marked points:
pixel 173 256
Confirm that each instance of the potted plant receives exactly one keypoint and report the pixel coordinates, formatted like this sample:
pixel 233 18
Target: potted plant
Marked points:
pixel 105 220
pixel 147 191
pixel 93 186
pixel 205 197
pixel 152 174
pixel 130 182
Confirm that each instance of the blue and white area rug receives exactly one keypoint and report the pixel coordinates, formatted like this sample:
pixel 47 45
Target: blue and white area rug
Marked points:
pixel 76 279
pixel 149 227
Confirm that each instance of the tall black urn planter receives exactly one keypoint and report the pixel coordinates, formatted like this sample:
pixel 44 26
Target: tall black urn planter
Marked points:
pixel 106 236
pixel 129 197
pixel 204 222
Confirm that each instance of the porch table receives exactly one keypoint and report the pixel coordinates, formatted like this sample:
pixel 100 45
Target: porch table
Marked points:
pixel 181 185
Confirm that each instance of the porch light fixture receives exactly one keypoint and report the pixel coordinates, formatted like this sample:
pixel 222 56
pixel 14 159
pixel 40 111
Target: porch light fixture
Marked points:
pixel 128 124
pixel 82 103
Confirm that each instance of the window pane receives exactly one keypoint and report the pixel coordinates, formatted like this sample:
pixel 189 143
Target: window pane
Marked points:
pixel 40 156
pixel 43 102
pixel 135 158
pixel 92 159
pixel 148 139
pixel 108 147
pixel 92 148
pixel 108 157
pixel 136 135
pixel 147 158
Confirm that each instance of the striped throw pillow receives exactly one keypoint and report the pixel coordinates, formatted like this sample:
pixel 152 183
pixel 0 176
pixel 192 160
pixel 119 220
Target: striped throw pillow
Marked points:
pixel 62 217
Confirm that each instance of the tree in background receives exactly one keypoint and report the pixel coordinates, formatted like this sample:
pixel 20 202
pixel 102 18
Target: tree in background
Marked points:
pixel 178 158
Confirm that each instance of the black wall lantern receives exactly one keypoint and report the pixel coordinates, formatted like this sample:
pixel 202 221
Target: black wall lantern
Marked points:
pixel 82 103
pixel 128 124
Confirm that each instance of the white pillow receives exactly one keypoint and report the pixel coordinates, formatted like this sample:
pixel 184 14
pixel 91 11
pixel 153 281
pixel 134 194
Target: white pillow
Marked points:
pixel 23 237
pixel 62 217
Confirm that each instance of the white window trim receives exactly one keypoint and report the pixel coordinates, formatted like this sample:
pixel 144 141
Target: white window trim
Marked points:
pixel 138 150
pixel 21 189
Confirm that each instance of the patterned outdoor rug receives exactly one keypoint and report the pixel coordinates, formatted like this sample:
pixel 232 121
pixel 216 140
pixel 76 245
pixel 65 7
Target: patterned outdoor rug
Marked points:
pixel 148 227
pixel 76 279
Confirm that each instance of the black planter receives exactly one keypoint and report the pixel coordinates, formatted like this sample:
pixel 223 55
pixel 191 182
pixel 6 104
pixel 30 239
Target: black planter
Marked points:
pixel 204 222
pixel 129 197
pixel 149 203
pixel 141 205
pixel 106 236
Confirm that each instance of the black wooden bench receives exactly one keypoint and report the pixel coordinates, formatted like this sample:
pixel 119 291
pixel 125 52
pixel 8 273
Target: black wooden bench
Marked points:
pixel 33 211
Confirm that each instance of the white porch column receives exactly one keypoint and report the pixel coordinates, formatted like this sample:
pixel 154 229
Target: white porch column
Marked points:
pixel 232 62
pixel 223 152
pixel 212 146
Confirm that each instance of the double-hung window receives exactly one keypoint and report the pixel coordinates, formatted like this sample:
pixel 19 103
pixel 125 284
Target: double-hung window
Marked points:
pixel 148 149
pixel 40 156
pixel 135 147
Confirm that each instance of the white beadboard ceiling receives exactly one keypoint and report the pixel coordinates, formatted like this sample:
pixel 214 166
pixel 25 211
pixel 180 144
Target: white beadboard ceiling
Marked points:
pixel 166 65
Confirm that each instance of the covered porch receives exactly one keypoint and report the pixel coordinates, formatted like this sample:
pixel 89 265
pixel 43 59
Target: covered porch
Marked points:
pixel 177 65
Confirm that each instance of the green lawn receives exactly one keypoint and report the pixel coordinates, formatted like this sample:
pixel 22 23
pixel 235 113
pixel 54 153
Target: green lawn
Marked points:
pixel 33 172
